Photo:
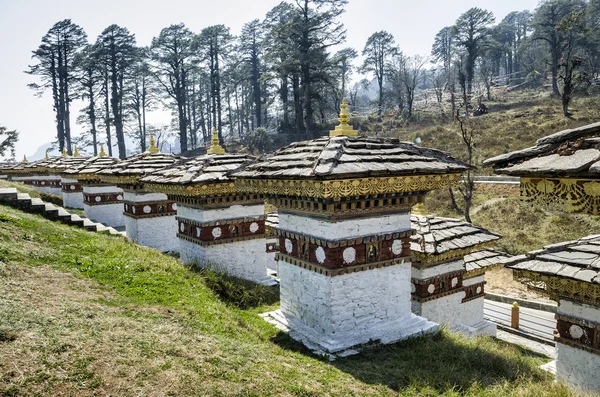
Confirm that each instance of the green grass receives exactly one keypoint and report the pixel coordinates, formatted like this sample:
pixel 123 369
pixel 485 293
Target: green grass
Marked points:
pixel 93 314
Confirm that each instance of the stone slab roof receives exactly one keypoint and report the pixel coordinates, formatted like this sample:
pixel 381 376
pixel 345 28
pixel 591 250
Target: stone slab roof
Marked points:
pixel 485 258
pixel 142 164
pixel 91 166
pixel 65 162
pixel 574 152
pixel 577 260
pixel 351 157
pixel 436 235
pixel 209 168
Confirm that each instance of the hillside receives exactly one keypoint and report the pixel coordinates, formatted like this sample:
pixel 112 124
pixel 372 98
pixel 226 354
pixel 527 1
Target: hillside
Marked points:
pixel 88 314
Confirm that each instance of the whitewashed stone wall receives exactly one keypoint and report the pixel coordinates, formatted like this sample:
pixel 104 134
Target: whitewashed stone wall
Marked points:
pixel 466 318
pixel 334 314
pixel 270 256
pixel 438 270
pixel 344 229
pixel 159 232
pixel 72 200
pixel 576 367
pixel 244 259
pixel 233 212
pixel 108 214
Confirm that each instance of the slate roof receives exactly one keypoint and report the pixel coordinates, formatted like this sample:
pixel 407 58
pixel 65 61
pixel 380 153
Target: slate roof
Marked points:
pixel 485 258
pixel 350 157
pixel 208 168
pixel 436 235
pixel 63 163
pixel 91 166
pixel 142 164
pixel 574 152
pixel 577 260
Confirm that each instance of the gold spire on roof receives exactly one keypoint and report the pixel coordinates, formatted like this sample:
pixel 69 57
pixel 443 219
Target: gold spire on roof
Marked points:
pixel 102 152
pixel 75 151
pixel 215 148
pixel 344 129
pixel 64 152
pixel 153 148
pixel 418 209
pixel 25 159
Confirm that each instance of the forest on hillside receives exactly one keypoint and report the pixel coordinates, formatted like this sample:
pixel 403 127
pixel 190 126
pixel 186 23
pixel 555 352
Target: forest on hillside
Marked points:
pixel 288 72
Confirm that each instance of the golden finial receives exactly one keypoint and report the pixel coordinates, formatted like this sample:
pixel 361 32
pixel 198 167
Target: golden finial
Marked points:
pixel 215 148
pixel 47 157
pixel 25 159
pixel 102 152
pixel 418 209
pixel 153 148
pixel 64 152
pixel 344 129
pixel 75 151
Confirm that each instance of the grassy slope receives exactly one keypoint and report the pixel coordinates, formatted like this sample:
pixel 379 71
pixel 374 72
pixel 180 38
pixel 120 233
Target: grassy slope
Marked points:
pixel 87 314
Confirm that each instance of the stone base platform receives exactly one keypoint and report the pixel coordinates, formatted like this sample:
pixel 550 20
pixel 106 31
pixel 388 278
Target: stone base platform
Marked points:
pixel 484 328
pixel 406 327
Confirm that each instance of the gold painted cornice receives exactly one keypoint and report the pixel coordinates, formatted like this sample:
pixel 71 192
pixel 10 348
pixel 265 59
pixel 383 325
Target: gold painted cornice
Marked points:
pixel 559 287
pixel 346 187
pixel 427 260
pixel 211 189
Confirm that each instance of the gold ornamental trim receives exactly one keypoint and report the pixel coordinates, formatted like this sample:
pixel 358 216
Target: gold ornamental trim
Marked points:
pixel 119 179
pixel 559 287
pixel 427 260
pixel 212 189
pixel 575 194
pixel 347 187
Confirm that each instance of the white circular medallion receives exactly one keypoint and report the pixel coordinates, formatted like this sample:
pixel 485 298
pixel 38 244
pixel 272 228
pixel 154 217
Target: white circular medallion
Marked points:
pixel 320 254
pixel 575 331
pixel 198 230
pixel 431 288
pixel 454 282
pixel 479 290
pixel 216 232
pixel 349 255
pixel 182 227
pixel 119 197
pixel 43 183
pixel 254 227
pixel 72 187
pixel 147 209
pixel 288 246
pixel 397 247
pixel 133 209
pixel 98 198
pixel 174 206
pixel 412 288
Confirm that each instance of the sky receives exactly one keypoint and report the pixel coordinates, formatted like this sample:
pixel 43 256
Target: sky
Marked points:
pixel 414 24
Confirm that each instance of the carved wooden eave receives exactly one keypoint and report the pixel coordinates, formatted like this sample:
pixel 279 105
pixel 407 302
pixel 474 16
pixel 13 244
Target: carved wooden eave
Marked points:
pixel 565 270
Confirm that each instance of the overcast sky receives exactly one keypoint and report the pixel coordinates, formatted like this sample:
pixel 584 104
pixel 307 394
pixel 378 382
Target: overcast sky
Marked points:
pixel 23 23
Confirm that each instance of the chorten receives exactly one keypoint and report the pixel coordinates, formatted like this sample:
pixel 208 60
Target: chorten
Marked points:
pixel 444 291
pixel 218 227
pixel 568 273
pixel 150 217
pixel 344 230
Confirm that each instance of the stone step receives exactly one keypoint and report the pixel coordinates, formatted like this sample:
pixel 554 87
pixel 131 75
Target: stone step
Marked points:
pixel 89 225
pixel 50 211
pixel 76 220
pixel 64 216
pixel 37 205
pixel 8 194
pixel 23 201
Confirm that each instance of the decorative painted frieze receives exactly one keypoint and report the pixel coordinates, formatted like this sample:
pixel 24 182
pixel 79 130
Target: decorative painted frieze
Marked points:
pixel 71 187
pixel 437 287
pixel 52 183
pixel 149 209
pixel 575 194
pixel 210 202
pixel 578 333
pixel 221 232
pixel 93 199
pixel 474 291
